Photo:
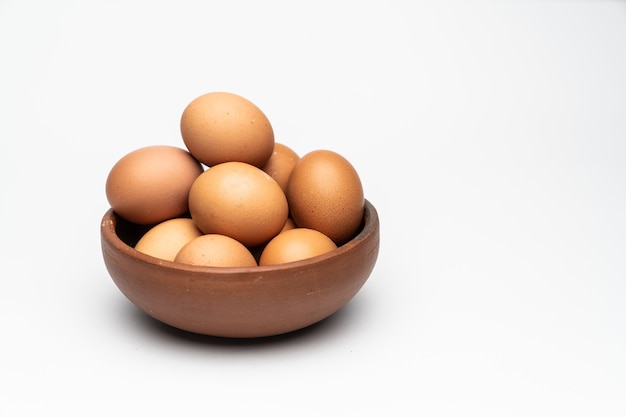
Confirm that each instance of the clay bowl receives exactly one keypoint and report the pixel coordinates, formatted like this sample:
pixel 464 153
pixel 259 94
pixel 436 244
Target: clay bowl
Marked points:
pixel 242 302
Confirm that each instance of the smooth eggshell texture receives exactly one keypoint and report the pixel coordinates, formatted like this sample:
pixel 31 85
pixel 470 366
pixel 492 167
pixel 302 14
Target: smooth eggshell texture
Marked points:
pixel 215 250
pixel 221 127
pixel 238 200
pixel 165 240
pixel 150 185
pixel 289 224
pixel 281 163
pixel 325 194
pixel 294 245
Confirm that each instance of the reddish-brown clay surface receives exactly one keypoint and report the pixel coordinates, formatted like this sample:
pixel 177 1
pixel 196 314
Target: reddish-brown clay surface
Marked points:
pixel 239 302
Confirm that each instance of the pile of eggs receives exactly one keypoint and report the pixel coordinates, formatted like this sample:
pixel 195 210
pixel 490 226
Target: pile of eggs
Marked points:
pixel 235 197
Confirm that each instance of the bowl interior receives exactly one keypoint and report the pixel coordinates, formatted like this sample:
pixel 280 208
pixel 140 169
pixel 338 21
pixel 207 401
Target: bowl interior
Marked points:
pixel 124 235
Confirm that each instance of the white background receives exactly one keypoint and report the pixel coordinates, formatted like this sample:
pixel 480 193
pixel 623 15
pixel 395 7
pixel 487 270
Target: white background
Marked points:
pixel 491 137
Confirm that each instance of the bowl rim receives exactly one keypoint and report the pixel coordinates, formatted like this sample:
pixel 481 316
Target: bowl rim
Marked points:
pixel 370 225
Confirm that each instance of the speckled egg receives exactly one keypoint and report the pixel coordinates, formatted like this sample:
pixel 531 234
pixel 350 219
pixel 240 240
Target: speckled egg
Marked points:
pixel 281 163
pixel 325 193
pixel 222 127
pixel 238 200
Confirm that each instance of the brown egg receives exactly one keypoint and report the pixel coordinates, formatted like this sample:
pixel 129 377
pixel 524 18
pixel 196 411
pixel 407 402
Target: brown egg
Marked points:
pixel 280 164
pixel 294 245
pixel 238 200
pixel 325 194
pixel 257 250
pixel 289 224
pixel 165 240
pixel 150 185
pixel 222 127
pixel 215 250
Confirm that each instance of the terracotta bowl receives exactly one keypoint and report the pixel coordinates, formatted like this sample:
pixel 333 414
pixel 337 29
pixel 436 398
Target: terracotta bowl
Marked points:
pixel 240 302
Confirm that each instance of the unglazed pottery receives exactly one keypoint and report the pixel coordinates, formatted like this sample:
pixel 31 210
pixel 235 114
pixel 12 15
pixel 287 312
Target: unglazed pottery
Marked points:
pixel 240 302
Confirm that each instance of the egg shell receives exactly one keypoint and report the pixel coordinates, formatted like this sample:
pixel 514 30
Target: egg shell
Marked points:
pixel 325 193
pixel 151 184
pixel 221 127
pixel 294 245
pixel 289 224
pixel 238 200
pixel 165 240
pixel 215 250
pixel 281 163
